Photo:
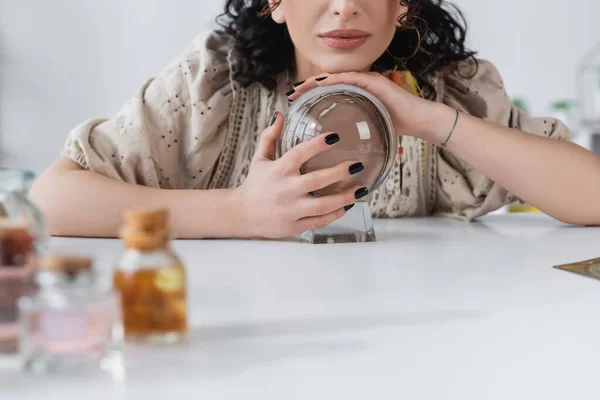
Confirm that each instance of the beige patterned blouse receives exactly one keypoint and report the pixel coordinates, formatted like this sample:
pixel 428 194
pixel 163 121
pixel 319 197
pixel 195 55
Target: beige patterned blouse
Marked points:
pixel 194 127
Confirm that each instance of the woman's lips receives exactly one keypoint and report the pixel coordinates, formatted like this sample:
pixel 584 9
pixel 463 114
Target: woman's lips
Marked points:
pixel 338 42
pixel 345 38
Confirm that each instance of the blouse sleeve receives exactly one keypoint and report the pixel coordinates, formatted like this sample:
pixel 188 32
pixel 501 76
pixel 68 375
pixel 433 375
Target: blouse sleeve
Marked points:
pixel 462 192
pixel 170 133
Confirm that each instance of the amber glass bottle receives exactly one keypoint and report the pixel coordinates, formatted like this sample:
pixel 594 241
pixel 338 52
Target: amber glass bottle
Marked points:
pixel 151 281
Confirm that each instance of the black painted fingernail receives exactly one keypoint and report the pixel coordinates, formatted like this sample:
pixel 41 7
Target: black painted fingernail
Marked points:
pixel 332 139
pixel 274 118
pixel 321 79
pixel 298 83
pixel 347 208
pixel 291 92
pixel 360 193
pixel 356 168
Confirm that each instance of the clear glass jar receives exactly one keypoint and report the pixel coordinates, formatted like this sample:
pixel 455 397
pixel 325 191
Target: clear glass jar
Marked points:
pixel 71 323
pixel 151 281
pixel 18 265
pixel 15 204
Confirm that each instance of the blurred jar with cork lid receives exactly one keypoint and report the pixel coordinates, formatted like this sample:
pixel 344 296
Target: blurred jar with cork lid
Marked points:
pixel 151 281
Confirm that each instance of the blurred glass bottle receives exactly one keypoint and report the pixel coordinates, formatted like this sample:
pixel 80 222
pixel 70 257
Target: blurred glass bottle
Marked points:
pixel 588 89
pixel 17 277
pixel 15 204
pixel 151 281
pixel 518 206
pixel 71 323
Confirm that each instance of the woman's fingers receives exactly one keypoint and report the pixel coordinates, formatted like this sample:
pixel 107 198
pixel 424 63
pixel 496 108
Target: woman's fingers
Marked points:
pixel 305 86
pixel 303 152
pixel 321 221
pixel 352 78
pixel 322 178
pixel 339 203
pixel 315 207
pixel 266 148
pixel 368 81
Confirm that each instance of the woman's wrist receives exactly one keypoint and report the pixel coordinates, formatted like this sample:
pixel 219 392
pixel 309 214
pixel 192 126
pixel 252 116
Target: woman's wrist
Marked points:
pixel 219 213
pixel 238 213
pixel 434 121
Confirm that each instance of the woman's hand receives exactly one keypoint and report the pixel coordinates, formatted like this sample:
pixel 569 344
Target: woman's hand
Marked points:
pixel 274 197
pixel 513 159
pixel 410 114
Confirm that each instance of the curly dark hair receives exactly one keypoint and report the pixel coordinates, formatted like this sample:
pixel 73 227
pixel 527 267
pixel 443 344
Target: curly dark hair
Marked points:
pixel 432 36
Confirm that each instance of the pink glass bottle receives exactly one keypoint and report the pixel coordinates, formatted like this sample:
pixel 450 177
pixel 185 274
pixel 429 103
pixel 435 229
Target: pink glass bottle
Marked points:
pixel 71 323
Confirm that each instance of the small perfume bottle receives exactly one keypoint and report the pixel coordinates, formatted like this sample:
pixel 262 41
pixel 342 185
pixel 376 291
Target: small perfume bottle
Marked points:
pixel 151 281
pixel 17 278
pixel 71 323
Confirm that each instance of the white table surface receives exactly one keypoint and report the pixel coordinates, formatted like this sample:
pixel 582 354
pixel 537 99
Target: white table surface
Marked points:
pixel 437 309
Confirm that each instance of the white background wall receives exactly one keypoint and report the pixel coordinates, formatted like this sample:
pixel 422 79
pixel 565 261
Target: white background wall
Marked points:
pixel 63 61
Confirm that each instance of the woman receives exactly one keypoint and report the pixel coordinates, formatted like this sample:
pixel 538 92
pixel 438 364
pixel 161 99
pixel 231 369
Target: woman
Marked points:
pixel 200 138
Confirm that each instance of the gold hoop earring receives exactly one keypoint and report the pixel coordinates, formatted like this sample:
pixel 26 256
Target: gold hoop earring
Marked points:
pixel 401 61
pixel 268 9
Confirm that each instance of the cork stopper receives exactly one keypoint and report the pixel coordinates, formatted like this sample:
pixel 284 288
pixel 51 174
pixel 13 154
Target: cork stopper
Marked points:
pixel 66 263
pixel 147 220
pixel 146 229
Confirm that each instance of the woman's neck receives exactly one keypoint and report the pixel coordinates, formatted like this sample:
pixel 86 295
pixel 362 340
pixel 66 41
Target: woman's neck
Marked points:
pixel 304 69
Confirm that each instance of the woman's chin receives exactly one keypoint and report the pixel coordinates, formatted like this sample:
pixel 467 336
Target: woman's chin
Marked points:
pixel 338 63
pixel 338 69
